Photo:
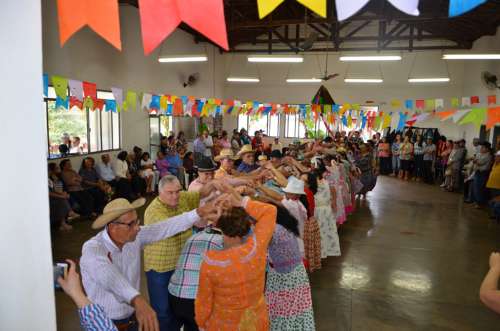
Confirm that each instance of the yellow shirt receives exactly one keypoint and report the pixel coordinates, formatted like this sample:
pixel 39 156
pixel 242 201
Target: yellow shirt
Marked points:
pixel 494 179
pixel 221 173
pixel 162 255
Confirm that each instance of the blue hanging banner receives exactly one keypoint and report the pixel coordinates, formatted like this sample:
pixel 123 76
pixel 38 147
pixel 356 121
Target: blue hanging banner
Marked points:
pixel 155 102
pixel 409 104
pixel 46 85
pixel 169 110
pixel 336 108
pixel 110 105
pixel 459 7
pixel 344 120
pixel 402 122
pixel 363 122
pixel 62 103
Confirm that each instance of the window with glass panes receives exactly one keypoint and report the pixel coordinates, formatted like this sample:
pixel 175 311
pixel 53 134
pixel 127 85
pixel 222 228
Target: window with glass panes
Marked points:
pixel 269 124
pixel 99 131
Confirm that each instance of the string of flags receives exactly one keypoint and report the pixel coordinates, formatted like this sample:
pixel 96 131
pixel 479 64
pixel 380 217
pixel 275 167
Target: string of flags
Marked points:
pixel 159 18
pixel 83 95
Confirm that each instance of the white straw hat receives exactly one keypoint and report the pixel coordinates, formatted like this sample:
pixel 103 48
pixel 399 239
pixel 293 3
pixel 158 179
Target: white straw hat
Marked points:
pixel 294 186
pixel 116 208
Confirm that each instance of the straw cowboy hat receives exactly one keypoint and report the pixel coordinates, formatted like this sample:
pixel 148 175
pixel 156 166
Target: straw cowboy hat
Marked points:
pixel 262 157
pixel 116 208
pixel 245 149
pixel 294 186
pixel 226 153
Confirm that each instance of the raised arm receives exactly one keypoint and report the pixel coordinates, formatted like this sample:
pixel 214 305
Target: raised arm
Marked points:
pixel 489 293
pixel 265 215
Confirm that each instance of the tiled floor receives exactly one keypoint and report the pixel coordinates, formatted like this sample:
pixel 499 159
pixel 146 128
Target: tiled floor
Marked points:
pixel 413 258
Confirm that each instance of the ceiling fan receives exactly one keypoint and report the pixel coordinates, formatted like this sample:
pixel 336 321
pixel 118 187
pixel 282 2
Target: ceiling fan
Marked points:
pixel 327 76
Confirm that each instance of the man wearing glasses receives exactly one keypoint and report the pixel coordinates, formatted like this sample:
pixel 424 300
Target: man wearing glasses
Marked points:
pixel 111 261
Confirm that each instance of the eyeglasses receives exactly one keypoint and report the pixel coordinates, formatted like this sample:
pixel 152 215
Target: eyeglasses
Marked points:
pixel 130 225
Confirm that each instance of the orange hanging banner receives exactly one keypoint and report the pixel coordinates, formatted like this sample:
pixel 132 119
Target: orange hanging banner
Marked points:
pixel 159 18
pixel 493 117
pixel 100 15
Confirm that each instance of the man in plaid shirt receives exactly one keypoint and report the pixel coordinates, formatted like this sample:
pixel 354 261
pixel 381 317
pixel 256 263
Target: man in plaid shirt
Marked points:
pixel 184 282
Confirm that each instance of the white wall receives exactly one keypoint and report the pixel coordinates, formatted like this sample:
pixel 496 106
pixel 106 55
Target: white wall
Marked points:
pixel 27 300
pixel 86 56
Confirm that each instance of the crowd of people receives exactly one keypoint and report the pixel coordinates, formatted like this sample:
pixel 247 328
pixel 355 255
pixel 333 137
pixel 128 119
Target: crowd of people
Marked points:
pixel 228 241
pixel 237 223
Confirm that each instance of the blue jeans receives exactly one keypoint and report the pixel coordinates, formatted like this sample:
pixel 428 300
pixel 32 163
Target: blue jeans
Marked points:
pixel 158 297
pixel 479 191
pixel 396 163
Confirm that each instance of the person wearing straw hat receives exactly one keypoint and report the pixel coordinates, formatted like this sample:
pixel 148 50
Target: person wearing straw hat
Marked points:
pixel 291 202
pixel 247 155
pixel 206 171
pixel 226 159
pixel 111 261
pixel 262 160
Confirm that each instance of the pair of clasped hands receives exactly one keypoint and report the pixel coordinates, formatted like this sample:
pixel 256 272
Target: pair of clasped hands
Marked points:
pixel 222 198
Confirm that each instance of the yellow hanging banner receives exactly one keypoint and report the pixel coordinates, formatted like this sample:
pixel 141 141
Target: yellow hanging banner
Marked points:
pixel 267 6
pixel 387 121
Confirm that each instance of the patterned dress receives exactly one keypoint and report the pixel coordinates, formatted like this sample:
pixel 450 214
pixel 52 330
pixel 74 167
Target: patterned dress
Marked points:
pixel 330 245
pixel 232 281
pixel 333 178
pixel 288 292
pixel 312 236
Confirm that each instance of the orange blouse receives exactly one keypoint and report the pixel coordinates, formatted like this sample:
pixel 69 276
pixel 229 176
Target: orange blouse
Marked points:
pixel 231 289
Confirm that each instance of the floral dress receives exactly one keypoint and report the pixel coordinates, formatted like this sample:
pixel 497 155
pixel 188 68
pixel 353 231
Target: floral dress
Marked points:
pixel 330 245
pixel 333 178
pixel 288 293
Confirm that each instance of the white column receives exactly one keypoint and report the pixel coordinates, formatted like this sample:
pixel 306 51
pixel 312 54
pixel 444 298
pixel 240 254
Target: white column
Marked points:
pixel 27 296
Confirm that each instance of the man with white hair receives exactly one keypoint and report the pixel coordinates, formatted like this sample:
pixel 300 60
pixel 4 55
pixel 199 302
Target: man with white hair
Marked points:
pixel 160 258
pixel 111 261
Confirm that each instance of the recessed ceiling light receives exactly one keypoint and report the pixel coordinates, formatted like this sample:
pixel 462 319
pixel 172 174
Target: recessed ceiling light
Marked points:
pixel 429 80
pixel 243 80
pixel 275 59
pixel 371 58
pixel 303 80
pixel 182 58
pixel 471 57
pixel 363 80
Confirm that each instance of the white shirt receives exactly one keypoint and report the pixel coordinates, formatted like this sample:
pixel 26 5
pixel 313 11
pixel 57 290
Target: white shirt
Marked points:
pixel 297 210
pixel 105 172
pixel 112 277
pixel 120 168
pixel 208 143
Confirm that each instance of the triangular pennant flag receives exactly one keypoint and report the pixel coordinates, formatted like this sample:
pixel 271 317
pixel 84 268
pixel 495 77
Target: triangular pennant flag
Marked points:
pixel 88 103
pixel 444 115
pixel 420 104
pixel 430 105
pixel 101 16
pixel 402 122
pixel 110 105
pixel 118 95
pixel 493 117
pixel 455 102
pixel 90 90
pixel 74 102
pixel 476 117
pixel 178 108
pixel 159 18
pixel 409 104
pixel 439 103
pixel 347 8
pixel 146 101
pixel 386 122
pixel 474 100
pixel 465 102
pixel 459 7
pixel 131 101
pixel 155 103
pixel 76 89
pixel 377 122
pixel 265 7
pixel 61 86
pixel 395 103
pixel 46 85
pixel 492 99
pixel 459 114
pixel 98 104
pixel 62 103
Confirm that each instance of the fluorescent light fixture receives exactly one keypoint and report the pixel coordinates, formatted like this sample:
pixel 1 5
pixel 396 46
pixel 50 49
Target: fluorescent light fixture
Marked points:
pixel 242 80
pixel 182 58
pixel 471 57
pixel 429 80
pixel 370 58
pixel 275 59
pixel 303 80
pixel 363 80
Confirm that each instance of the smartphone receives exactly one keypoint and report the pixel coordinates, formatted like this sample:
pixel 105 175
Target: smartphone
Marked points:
pixel 60 270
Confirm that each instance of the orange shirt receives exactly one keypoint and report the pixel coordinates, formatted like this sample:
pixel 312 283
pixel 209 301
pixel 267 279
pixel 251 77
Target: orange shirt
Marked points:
pixel 231 289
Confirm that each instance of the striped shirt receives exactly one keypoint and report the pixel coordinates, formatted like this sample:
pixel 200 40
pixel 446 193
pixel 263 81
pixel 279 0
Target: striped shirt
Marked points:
pixel 112 277
pixel 93 318
pixel 184 281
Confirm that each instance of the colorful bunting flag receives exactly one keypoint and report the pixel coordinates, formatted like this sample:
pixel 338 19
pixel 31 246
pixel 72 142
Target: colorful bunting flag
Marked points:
pixel 265 7
pixel 74 102
pixel 101 16
pixel 90 90
pixel 395 103
pixel 76 89
pixel 459 7
pixel 118 95
pixel 88 103
pixel 409 104
pixel 459 114
pixel 159 18
pixel 475 116
pixel 474 100
pixel 444 115
pixel 130 101
pixel 62 103
pixel 455 102
pixel 493 117
pixel 146 101
pixel 386 121
pixel 465 102
pixel 155 103
pixel 492 99
pixel 46 85
pixel 402 121
pixel 110 105
pixel 60 86
pixel 347 8
pixel 420 104
pixel 439 103
pixel 430 105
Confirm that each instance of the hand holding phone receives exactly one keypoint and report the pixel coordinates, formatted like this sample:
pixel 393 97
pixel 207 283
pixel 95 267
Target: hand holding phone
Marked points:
pixel 60 271
pixel 70 283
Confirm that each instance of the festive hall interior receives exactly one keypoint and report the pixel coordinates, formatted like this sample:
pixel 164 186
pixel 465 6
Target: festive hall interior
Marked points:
pixel 289 165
